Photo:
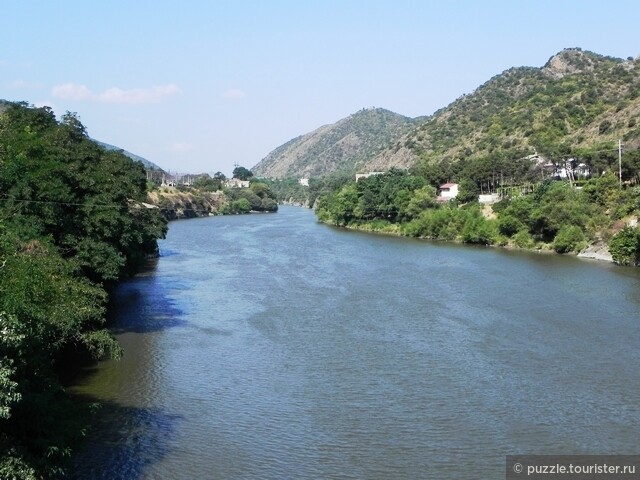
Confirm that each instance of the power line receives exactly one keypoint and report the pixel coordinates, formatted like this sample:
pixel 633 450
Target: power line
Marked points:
pixel 104 205
pixel 51 202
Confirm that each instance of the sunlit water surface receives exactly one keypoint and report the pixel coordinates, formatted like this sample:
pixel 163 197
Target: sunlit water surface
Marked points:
pixel 274 347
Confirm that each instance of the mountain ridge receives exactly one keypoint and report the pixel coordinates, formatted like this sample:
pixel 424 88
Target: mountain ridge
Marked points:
pixel 137 158
pixel 343 145
pixel 577 101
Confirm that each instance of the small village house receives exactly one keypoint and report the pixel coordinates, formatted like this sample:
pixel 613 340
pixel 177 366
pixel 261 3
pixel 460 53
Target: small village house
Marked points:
pixel 237 183
pixel 447 192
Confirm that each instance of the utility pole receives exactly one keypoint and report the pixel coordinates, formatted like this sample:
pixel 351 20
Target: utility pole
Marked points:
pixel 620 161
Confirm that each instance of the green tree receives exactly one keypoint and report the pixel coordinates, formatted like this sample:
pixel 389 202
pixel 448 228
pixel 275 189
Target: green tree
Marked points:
pixel 338 207
pixel 468 191
pixel 569 238
pixel 207 184
pixel 508 225
pixel 72 222
pixel 625 246
pixel 242 173
pixel 241 205
pixel 422 199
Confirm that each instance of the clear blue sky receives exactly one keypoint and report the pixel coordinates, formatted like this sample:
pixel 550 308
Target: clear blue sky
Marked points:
pixel 197 86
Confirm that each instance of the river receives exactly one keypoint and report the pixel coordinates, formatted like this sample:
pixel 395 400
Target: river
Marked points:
pixel 274 347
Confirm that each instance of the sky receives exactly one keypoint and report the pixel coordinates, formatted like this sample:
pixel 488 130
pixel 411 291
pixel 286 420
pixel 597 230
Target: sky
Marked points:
pixel 202 85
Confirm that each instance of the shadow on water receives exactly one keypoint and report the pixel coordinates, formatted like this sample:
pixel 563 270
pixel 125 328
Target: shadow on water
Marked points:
pixel 143 438
pixel 136 306
pixel 125 441
pixel 142 305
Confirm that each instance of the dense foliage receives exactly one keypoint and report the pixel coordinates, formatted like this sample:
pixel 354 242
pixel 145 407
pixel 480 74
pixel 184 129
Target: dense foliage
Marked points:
pixel 578 104
pixel 551 214
pixel 71 224
pixel 206 183
pixel 257 198
pixel 625 246
pixel 242 173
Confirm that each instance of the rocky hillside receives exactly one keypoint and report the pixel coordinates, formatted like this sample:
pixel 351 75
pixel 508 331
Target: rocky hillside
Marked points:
pixel 175 204
pixel 578 102
pixel 343 146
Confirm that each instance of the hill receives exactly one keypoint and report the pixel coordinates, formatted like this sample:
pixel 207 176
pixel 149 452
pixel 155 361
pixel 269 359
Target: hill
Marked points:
pixel 343 146
pixel 578 104
pixel 5 105
pixel 148 164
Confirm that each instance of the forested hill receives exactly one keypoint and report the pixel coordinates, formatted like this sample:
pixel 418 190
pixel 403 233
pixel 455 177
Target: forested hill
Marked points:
pixel 72 222
pixel 578 104
pixel 343 146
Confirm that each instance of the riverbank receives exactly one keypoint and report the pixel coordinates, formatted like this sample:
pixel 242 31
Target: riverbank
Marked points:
pixel 175 204
pixel 182 202
pixel 596 251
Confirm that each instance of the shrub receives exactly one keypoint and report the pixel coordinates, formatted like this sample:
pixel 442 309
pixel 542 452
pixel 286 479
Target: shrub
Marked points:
pixel 523 239
pixel 625 246
pixel 509 225
pixel 568 239
pixel 478 229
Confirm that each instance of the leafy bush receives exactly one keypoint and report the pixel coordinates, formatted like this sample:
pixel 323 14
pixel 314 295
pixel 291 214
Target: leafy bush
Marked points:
pixel 508 225
pixel 625 246
pixel 478 229
pixel 523 239
pixel 568 239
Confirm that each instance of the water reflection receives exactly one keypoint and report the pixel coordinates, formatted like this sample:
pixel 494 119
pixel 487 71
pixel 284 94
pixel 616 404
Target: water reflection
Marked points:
pixel 143 305
pixel 125 443
pixel 273 347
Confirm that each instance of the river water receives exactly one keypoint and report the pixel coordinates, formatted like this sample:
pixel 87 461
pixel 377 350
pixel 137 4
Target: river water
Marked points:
pixel 275 347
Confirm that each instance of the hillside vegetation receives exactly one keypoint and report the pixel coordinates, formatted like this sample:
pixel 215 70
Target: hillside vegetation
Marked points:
pixel 552 215
pixel 216 195
pixel 343 146
pixel 578 105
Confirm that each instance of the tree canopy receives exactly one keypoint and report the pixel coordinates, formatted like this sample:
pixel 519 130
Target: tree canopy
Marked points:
pixel 242 173
pixel 72 223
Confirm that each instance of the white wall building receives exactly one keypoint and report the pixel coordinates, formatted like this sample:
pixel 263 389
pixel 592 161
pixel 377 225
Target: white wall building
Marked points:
pixel 236 183
pixel 448 191
pixel 367 175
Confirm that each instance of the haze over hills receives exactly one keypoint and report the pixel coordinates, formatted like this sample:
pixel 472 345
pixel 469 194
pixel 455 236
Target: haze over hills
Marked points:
pixel 578 101
pixel 343 146
pixel 147 163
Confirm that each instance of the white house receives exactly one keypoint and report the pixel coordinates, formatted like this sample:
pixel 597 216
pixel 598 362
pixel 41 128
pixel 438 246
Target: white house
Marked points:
pixel 489 198
pixel 236 183
pixel 304 182
pixel 448 191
